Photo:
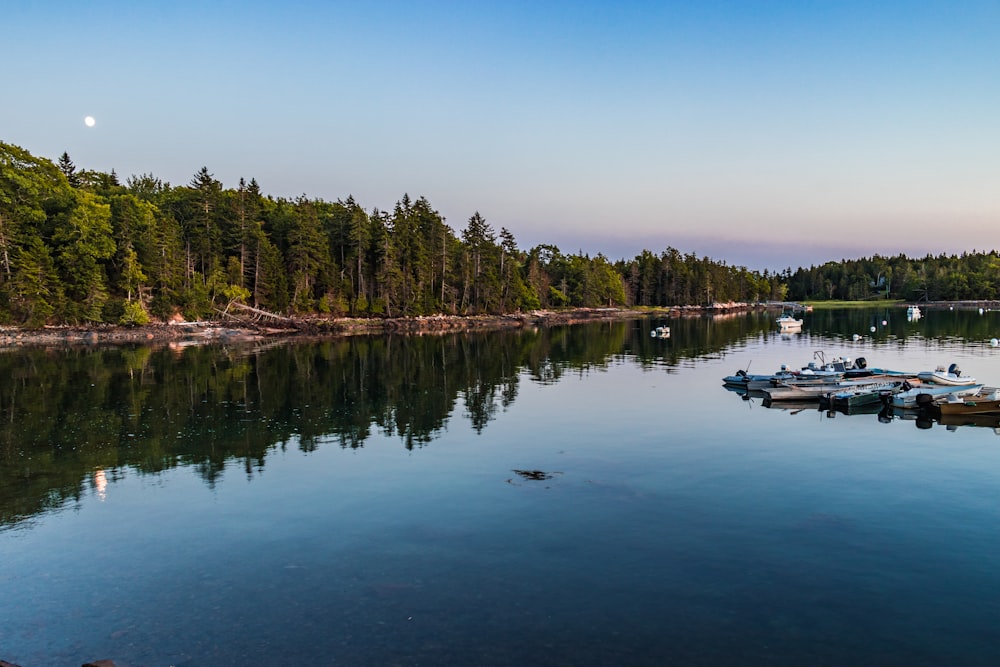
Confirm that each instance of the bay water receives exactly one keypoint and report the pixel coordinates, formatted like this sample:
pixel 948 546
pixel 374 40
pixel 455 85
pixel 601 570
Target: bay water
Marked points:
pixel 581 495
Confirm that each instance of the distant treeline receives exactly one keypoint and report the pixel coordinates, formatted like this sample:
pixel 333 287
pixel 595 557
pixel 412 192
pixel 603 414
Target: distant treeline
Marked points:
pixel 969 276
pixel 79 246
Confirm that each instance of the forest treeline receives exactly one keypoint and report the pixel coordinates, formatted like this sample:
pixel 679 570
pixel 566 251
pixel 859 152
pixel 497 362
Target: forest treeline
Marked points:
pixel 79 246
pixel 969 276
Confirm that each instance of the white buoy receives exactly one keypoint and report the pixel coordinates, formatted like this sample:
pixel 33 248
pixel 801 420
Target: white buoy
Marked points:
pixel 980 311
pixel 884 323
pixel 994 342
pixel 873 329
pixel 856 337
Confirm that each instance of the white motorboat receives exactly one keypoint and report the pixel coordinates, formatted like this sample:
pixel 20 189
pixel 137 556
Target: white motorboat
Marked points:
pixel 952 377
pixel 789 323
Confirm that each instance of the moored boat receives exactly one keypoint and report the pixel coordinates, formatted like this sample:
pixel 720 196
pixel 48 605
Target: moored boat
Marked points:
pixel 753 380
pixel 800 391
pixel 817 390
pixel 953 376
pixel 866 394
pixel 985 401
pixel 925 394
pixel 789 323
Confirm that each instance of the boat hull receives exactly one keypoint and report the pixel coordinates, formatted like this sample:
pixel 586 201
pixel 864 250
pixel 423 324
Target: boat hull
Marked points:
pixel 909 398
pixel 867 395
pixel 970 405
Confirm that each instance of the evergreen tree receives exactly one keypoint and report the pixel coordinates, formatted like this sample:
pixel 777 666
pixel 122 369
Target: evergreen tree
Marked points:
pixel 31 190
pixel 34 291
pixel 82 244
pixel 146 187
pixel 203 231
pixel 482 286
pixel 68 169
pixel 358 240
pixel 307 254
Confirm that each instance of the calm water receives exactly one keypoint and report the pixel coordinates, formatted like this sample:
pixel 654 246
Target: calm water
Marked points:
pixel 571 496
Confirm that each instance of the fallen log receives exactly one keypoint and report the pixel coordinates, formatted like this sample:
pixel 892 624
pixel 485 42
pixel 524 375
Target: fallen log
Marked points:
pixel 255 314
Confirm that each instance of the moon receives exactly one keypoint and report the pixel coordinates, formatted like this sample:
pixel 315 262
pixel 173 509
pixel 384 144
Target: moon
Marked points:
pixel 89 121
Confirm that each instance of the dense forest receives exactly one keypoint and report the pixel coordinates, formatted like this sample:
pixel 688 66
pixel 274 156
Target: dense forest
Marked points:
pixel 78 246
pixel 969 276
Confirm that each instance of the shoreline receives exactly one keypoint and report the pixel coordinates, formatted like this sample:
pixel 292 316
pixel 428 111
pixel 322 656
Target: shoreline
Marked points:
pixel 208 332
pixel 317 328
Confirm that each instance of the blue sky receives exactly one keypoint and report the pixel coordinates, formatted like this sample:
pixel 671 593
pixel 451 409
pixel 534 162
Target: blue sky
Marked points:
pixel 765 134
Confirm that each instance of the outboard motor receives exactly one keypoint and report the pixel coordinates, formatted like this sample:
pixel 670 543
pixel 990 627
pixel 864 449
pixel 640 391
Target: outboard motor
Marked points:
pixel 886 399
pixel 861 362
pixel 953 369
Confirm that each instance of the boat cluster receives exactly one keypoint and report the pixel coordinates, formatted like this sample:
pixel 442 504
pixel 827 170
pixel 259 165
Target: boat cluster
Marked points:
pixel 846 383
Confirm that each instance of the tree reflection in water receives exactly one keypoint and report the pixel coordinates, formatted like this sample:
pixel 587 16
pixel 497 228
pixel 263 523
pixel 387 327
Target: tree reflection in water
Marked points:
pixel 75 419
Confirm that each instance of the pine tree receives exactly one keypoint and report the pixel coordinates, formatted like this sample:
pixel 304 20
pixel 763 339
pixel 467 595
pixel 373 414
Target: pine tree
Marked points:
pixel 68 169
pixel 82 244
pixel 308 254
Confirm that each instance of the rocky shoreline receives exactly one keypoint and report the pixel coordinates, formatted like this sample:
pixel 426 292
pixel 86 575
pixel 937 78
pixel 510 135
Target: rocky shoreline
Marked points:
pixel 188 333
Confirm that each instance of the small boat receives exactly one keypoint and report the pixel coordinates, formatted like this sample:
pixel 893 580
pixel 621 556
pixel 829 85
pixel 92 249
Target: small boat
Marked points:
pixel 819 389
pixel 756 382
pixel 985 401
pixel 925 394
pixel 752 380
pixel 865 394
pixel 953 376
pixel 789 323
pixel 801 391
pixel 660 332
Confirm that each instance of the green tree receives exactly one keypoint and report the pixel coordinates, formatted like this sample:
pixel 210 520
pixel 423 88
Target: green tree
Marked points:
pixel 32 193
pixel 68 169
pixel 482 292
pixel 33 291
pixel 358 241
pixel 307 255
pixel 82 244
